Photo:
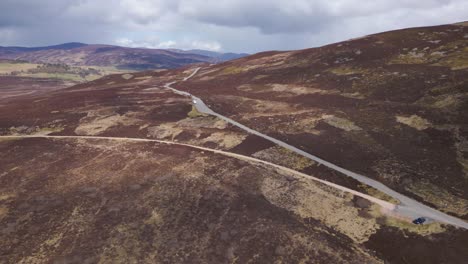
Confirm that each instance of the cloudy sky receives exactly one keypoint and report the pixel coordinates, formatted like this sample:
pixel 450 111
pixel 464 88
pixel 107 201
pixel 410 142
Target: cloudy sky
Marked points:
pixel 220 25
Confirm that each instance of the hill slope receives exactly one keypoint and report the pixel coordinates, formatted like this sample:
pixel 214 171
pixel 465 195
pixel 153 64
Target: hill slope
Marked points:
pixel 78 54
pixel 218 56
pixel 146 192
pixel 120 198
pixel 391 106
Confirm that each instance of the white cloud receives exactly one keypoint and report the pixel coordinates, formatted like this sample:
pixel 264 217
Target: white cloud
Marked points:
pixel 124 42
pixel 168 45
pixel 238 25
pixel 206 45
pixel 155 43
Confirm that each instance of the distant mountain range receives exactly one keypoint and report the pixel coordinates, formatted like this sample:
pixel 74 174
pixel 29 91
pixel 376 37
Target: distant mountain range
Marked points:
pixel 390 106
pixel 80 54
pixel 220 57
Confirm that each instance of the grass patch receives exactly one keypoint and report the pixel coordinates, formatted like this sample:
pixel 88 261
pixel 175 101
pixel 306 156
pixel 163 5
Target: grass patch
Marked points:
pixel 414 121
pixel 285 157
pixel 59 76
pixel 24 130
pixel 127 76
pixel 6 140
pixel 439 197
pixel 378 194
pixel 442 97
pixel 3 212
pixel 225 140
pixel 106 70
pixel 194 113
pixel 347 70
pixel 413 57
pixel 297 162
pixel 424 230
pixel 259 77
pixel 453 55
pixel 49 130
pixel 450 100
pixel 340 123
pixel 464 164
pixel 457 62
pixel 55 71
pixel 7 196
pixel 231 70
pixel 9 67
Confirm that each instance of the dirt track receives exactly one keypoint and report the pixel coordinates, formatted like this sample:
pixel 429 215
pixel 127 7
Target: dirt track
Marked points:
pixel 409 208
pixel 384 204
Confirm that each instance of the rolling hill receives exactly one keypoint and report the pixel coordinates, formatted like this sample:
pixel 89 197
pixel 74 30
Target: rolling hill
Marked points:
pixel 391 106
pixel 218 56
pixel 79 54
pixel 123 169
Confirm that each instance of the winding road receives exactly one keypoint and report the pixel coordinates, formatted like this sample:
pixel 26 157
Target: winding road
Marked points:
pixel 408 208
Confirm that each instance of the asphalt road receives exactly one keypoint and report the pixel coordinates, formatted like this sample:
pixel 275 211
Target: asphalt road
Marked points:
pixel 408 208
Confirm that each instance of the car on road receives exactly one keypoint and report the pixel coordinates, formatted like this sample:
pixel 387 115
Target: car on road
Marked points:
pixel 194 101
pixel 419 221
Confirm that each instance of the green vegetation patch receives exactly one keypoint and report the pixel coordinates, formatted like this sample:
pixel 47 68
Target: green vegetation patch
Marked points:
pixel 259 77
pixel 424 230
pixel 25 130
pixel 54 71
pixel 3 212
pixel 231 70
pixel 440 197
pixel 453 55
pixel 340 123
pixel 60 76
pixel 378 194
pixel 446 101
pixel 127 76
pixel 464 163
pixel 455 62
pixel 11 67
pixel 415 122
pixel 368 84
pixel 413 57
pixel 194 113
pixel 405 224
pixel 343 70
pixel 284 157
pixel 6 140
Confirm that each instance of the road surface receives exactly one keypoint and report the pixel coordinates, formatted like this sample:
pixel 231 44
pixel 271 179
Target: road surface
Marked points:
pixel 408 208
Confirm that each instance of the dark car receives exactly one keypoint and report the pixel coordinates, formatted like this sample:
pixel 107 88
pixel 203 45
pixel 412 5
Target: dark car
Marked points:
pixel 419 221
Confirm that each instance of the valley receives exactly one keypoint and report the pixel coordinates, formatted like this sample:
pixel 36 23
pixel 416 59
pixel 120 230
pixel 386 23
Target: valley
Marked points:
pixel 324 155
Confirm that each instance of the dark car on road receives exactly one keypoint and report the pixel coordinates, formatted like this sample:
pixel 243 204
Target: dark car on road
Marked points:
pixel 419 221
